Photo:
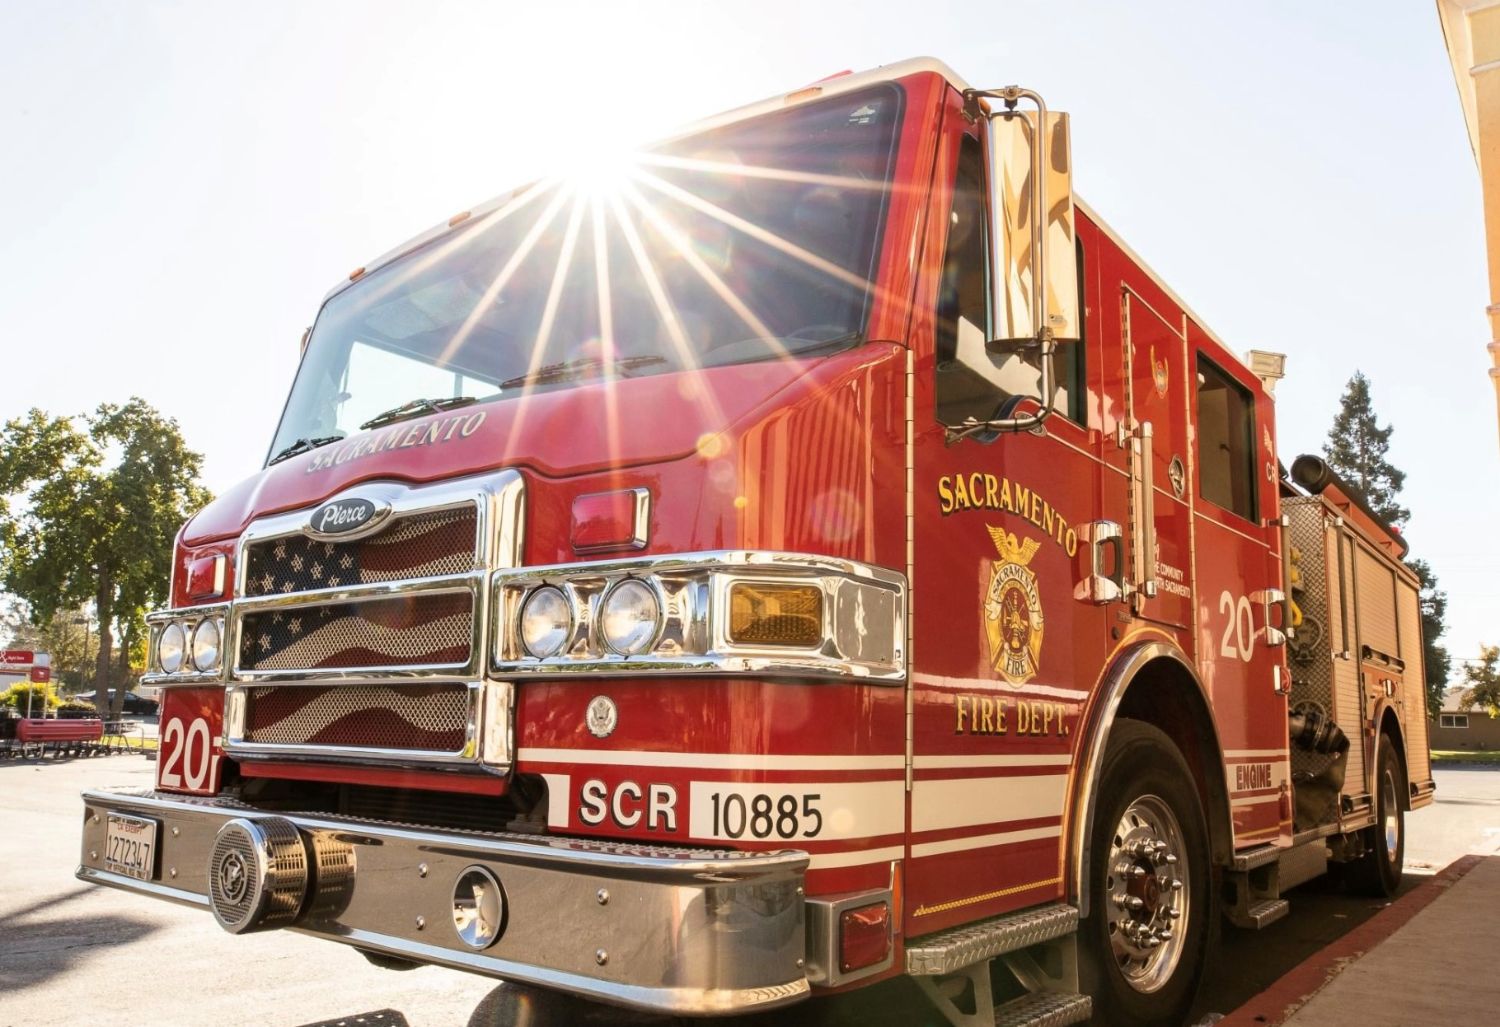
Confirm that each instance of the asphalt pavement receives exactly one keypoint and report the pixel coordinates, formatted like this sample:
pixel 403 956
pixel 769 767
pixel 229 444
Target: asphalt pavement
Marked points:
pixel 75 953
pixel 1428 956
pixel 72 953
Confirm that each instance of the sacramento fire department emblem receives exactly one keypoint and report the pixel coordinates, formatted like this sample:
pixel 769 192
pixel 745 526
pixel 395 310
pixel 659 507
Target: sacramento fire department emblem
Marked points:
pixel 1013 609
pixel 1160 373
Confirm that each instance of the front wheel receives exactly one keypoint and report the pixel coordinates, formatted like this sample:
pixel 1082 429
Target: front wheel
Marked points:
pixel 1143 943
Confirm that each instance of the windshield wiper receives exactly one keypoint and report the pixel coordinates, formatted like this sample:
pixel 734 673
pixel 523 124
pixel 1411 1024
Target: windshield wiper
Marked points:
pixel 416 407
pixel 303 445
pixel 578 368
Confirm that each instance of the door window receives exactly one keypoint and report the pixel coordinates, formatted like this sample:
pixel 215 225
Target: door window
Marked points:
pixel 1226 441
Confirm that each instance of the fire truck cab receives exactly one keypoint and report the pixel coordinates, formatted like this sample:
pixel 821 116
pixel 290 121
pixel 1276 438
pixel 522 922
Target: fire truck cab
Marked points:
pixel 817 551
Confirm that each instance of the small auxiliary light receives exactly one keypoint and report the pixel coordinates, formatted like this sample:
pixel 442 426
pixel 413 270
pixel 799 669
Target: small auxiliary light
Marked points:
pixel 611 520
pixel 205 577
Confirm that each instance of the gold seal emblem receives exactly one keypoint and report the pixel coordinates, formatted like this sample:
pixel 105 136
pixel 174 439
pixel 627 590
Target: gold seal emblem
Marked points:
pixel 1160 373
pixel 1013 609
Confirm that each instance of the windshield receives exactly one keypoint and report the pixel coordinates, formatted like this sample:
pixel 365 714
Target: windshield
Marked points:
pixel 749 242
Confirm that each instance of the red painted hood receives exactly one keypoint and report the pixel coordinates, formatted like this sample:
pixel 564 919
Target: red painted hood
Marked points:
pixel 577 430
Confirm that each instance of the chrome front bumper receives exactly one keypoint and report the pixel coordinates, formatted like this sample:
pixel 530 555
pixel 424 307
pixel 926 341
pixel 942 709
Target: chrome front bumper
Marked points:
pixel 676 930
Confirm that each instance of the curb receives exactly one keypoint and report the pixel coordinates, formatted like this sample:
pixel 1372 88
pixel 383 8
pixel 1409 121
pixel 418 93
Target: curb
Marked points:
pixel 1297 986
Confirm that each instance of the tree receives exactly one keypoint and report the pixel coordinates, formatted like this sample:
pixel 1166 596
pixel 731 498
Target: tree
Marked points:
pixel 1356 449
pixel 1436 662
pixel 1482 681
pixel 89 506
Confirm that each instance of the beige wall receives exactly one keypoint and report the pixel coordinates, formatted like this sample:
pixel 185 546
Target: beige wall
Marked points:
pixel 1472 31
pixel 1483 732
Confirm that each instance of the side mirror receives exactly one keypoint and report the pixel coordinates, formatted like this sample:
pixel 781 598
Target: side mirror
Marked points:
pixel 1033 261
pixel 306 334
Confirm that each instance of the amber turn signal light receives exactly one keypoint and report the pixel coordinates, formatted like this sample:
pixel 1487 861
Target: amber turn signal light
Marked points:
pixel 762 614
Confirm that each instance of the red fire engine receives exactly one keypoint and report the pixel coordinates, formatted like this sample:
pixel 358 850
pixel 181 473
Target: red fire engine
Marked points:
pixel 818 553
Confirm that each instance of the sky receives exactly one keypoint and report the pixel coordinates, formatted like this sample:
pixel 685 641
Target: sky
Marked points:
pixel 181 183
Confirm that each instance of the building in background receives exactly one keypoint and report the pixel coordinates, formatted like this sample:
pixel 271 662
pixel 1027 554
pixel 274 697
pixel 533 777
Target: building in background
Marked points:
pixel 21 665
pixel 1463 727
pixel 1472 31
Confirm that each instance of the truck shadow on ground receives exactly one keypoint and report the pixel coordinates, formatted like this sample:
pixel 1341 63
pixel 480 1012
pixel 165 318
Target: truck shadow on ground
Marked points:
pixel 37 949
pixel 1243 964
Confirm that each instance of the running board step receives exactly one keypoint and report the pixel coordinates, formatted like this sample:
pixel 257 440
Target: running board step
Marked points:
pixel 1044 1009
pixel 948 952
pixel 1263 914
pixel 1259 856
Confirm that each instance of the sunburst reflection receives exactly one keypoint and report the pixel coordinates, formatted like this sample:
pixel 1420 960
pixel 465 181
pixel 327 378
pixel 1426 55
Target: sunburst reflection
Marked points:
pixel 755 241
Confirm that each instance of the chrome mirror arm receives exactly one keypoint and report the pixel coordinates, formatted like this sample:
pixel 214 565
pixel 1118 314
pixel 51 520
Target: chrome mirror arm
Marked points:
pixel 1029 423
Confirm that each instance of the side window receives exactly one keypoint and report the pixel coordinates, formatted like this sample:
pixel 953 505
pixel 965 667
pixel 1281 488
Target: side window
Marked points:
pixel 971 381
pixel 1226 441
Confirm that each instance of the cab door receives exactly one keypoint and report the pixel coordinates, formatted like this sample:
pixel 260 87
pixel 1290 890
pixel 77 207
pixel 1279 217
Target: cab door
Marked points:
pixel 1005 649
pixel 1239 571
pixel 1159 508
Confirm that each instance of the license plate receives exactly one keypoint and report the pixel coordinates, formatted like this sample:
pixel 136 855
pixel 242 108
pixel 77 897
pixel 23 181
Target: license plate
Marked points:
pixel 130 846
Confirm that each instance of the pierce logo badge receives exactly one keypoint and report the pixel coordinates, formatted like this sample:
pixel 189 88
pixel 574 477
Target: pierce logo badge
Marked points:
pixel 343 517
pixel 1013 609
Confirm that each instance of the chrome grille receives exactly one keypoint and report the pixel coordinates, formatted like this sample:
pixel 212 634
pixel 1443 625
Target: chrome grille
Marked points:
pixel 421 629
pixel 429 717
pixel 370 647
pixel 416 546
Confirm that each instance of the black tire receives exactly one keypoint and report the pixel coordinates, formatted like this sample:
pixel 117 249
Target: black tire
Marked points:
pixel 1143 966
pixel 519 1005
pixel 1378 871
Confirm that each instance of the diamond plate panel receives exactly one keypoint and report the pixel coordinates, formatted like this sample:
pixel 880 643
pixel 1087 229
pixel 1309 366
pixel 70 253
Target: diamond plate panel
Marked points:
pixel 950 951
pixel 1044 1009
pixel 1311 651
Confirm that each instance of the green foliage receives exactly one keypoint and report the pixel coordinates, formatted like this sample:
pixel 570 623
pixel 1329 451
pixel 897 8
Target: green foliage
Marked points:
pixel 76 708
pixel 89 506
pixel 1356 449
pixel 1436 662
pixel 42 698
pixel 1482 681
pixel 1488 757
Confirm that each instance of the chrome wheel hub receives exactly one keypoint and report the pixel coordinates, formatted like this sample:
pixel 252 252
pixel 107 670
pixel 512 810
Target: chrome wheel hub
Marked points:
pixel 1392 819
pixel 1146 888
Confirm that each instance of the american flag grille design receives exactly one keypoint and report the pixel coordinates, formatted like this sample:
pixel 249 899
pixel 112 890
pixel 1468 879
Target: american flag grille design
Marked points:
pixel 402 631
pixel 416 546
pixel 433 718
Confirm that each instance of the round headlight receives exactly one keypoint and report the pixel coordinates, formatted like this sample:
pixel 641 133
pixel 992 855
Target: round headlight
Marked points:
pixel 630 617
pixel 206 638
pixel 170 648
pixel 546 622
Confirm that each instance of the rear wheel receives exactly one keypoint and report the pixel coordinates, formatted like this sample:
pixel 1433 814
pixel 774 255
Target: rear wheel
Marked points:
pixel 1143 942
pixel 1378 872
